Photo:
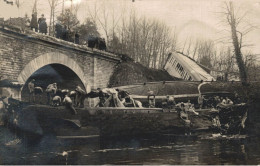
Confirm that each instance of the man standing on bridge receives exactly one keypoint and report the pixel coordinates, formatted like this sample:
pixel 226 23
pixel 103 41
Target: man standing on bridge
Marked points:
pixel 51 91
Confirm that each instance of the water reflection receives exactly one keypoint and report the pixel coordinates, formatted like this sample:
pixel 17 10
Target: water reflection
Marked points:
pixel 161 150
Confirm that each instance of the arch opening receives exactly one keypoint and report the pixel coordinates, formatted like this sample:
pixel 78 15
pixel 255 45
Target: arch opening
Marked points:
pixel 65 78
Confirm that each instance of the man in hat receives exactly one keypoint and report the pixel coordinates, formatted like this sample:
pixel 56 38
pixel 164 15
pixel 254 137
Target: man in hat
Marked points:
pixel 41 19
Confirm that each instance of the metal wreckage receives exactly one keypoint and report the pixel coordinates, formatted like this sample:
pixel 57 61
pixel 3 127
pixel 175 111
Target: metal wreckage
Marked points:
pixel 121 114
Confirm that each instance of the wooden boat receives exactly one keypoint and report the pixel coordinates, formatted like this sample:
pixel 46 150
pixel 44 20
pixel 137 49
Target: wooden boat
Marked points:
pixel 108 121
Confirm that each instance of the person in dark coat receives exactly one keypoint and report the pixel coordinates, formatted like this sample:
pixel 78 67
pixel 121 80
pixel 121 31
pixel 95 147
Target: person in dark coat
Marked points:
pixel 76 38
pixel 43 26
pixel 41 19
pixel 34 24
pixel 70 36
pixel 65 35
pixel 102 44
pixel 58 29
pixel 92 41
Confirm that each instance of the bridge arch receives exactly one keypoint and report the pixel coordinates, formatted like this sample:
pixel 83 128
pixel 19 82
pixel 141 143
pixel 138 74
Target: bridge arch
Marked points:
pixel 52 58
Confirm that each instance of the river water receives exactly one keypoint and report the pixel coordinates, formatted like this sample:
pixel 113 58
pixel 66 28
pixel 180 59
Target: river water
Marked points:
pixel 165 149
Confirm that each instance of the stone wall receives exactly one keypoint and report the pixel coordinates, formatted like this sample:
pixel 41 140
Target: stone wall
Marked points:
pixel 23 54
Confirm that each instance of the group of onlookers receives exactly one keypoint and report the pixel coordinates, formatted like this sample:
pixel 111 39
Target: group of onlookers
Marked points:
pixel 39 24
pixel 61 32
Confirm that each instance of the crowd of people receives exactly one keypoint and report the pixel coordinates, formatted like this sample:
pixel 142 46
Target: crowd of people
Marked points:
pixel 109 97
pixel 213 101
pixel 75 98
pixel 58 97
pixel 61 32
pixel 39 24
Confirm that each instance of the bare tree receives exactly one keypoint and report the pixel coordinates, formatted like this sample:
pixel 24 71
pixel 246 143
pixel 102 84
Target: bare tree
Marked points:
pixel 237 38
pixel 53 5
pixel 147 41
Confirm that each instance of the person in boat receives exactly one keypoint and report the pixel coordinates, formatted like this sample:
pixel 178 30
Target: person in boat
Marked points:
pixel 229 101
pixel 130 102
pixel 56 101
pixel 216 122
pixel 80 96
pixel 69 104
pixel 31 90
pixel 127 100
pixel 237 98
pixel 189 104
pixel 223 101
pixel 151 99
pixel 182 106
pixel 102 97
pixel 216 101
pixel 170 101
pixel 201 101
pixel 184 117
pixel 51 92
pixel 112 100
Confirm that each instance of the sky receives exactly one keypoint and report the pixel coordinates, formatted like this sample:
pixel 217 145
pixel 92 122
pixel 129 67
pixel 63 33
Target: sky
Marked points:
pixel 190 18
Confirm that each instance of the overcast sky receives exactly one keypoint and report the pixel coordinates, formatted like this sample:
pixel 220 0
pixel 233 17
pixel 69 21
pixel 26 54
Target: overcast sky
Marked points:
pixel 196 18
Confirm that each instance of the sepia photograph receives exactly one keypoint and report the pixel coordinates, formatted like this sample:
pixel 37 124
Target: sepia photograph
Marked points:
pixel 129 82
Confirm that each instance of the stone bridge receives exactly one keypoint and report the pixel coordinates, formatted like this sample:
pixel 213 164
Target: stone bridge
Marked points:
pixel 24 56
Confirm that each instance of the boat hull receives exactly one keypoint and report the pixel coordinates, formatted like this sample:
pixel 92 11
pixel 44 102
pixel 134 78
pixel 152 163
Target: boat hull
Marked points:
pixel 110 122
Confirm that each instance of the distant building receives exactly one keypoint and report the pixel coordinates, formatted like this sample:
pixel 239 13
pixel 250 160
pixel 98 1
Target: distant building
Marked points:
pixel 184 67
